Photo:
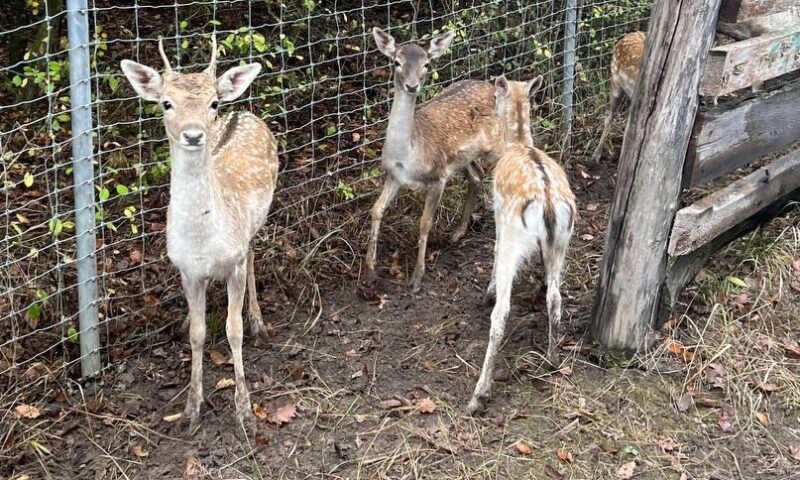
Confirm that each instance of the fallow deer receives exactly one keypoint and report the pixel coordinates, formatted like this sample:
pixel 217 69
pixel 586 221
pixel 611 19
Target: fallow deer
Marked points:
pixel 626 63
pixel 534 210
pixel 424 146
pixel 221 186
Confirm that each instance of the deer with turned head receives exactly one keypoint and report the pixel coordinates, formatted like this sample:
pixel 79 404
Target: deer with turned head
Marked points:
pixel 425 146
pixel 221 186
pixel 626 63
pixel 534 211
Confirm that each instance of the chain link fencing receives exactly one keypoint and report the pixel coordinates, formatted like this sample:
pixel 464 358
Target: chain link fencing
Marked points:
pixel 84 279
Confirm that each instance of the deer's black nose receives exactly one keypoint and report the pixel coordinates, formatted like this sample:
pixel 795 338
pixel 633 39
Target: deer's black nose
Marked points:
pixel 193 137
pixel 412 88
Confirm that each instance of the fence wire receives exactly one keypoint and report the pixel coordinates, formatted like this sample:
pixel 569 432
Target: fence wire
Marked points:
pixel 324 91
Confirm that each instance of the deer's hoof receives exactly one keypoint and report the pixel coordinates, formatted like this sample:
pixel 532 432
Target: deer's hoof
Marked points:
pixel 476 405
pixel 458 235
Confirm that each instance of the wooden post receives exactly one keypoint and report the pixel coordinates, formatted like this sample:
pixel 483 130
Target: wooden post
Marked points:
pixel 662 113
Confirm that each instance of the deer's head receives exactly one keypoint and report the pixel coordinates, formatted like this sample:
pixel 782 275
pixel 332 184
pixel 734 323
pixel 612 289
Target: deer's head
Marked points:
pixel 189 100
pixel 411 61
pixel 513 105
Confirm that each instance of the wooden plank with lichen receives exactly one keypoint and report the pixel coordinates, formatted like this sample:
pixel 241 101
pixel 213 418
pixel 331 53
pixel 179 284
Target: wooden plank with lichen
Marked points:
pixel 749 62
pixel 738 10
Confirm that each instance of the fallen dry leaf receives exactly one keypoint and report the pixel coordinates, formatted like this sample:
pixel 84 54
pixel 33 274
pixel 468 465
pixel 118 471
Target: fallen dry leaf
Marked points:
pixel 136 256
pixel 724 421
pixel 139 451
pixel 592 207
pixel 552 472
pixel 192 468
pixel 587 237
pixel 283 414
pixel 391 403
pixel 218 357
pixel 794 450
pixel 715 376
pixel 762 418
pixel 260 412
pixel 608 448
pixel 565 455
pixel 225 383
pixel 767 387
pixel 26 411
pixel 523 447
pixel 626 470
pixel 426 405
pixel 686 355
pixel 667 445
pixel 174 417
pixel 684 402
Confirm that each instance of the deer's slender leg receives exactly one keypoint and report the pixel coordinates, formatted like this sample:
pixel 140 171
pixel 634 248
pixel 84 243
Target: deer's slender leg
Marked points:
pixel 553 257
pixel 614 99
pixel 389 191
pixel 236 287
pixel 432 199
pixel 473 188
pixel 195 292
pixel 257 328
pixel 510 253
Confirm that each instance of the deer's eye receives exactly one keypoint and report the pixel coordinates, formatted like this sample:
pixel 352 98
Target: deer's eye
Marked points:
pixel 426 66
pixel 214 105
pixel 397 64
pixel 166 105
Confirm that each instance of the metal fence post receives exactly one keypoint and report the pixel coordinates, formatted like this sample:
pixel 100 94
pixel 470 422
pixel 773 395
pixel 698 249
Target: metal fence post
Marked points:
pixel 570 31
pixel 83 178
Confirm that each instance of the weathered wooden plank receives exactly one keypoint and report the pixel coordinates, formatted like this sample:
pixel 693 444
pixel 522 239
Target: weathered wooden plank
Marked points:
pixel 742 64
pixel 725 139
pixel 738 10
pixel 709 217
pixel 753 27
pixel 649 179
pixel 683 268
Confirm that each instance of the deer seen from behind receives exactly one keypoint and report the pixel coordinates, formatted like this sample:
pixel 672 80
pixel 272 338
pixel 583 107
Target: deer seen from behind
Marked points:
pixel 221 186
pixel 425 146
pixel 626 63
pixel 534 211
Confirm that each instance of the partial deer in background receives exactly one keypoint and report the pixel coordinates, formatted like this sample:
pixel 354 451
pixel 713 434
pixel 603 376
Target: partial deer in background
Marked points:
pixel 534 210
pixel 626 64
pixel 221 185
pixel 423 148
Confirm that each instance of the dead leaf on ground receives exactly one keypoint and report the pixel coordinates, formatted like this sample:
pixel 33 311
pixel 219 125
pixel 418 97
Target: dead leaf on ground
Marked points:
pixel 587 237
pixel 767 387
pixel 626 470
pixel 174 417
pixel 592 207
pixel 794 450
pixel 224 383
pixel 685 354
pixel 608 448
pixel 684 402
pixel 192 468
pixel 762 418
pixel 552 472
pixel 724 421
pixel 139 451
pixel 283 414
pixel 260 412
pixel 26 411
pixel 426 405
pixel 667 445
pixel 218 357
pixel 523 447
pixel 565 455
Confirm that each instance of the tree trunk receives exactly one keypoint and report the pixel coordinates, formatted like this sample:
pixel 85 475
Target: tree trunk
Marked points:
pixel 651 163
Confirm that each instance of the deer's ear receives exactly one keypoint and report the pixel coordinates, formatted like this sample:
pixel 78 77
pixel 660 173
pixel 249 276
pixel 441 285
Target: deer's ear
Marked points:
pixel 534 85
pixel 385 42
pixel 501 86
pixel 146 81
pixel 440 44
pixel 235 81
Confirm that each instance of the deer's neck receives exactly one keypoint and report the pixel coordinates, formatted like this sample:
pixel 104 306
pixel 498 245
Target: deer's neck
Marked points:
pixel 400 130
pixel 191 186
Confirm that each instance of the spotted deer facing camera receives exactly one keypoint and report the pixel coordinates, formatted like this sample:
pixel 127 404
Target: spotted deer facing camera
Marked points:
pixel 534 210
pixel 221 185
pixel 425 146
pixel 626 63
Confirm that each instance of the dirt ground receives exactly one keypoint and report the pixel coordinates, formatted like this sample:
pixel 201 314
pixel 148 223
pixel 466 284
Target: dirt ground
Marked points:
pixel 374 383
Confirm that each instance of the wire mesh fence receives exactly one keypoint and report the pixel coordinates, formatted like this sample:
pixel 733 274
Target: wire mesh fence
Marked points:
pixel 324 91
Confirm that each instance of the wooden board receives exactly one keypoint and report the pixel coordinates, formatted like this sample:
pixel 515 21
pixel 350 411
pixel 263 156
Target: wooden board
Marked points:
pixel 725 139
pixel 738 10
pixel 657 136
pixel 711 216
pixel 756 26
pixel 742 64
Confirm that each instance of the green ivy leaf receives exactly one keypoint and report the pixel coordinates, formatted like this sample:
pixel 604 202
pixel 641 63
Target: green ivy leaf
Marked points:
pixel 122 189
pixel 28 179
